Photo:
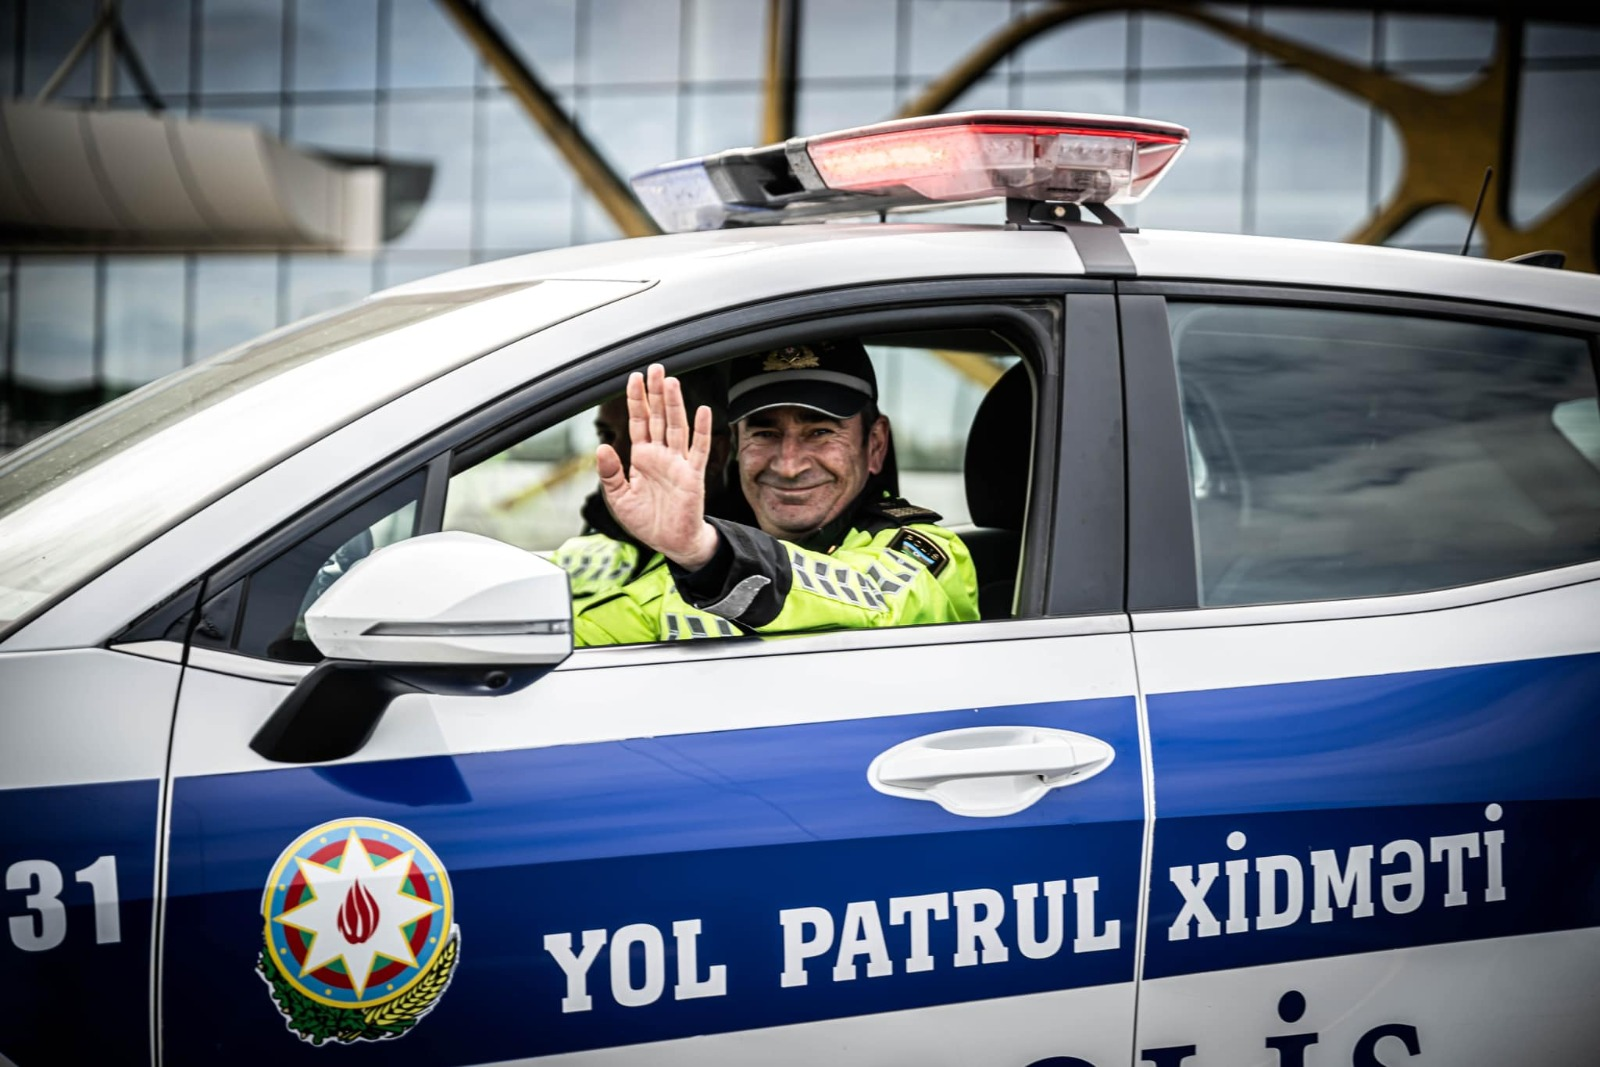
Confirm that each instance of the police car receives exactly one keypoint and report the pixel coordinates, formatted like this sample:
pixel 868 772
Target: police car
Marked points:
pixel 1276 742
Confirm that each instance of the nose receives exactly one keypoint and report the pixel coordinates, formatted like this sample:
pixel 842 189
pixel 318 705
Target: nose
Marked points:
pixel 792 458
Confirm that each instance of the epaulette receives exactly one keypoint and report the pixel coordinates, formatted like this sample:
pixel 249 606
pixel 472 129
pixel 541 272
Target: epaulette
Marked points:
pixel 903 513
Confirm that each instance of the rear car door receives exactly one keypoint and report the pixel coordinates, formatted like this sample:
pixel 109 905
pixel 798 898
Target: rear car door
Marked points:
pixel 673 852
pixel 1366 609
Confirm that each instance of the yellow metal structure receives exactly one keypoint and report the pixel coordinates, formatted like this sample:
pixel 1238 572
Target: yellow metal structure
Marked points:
pixel 1447 137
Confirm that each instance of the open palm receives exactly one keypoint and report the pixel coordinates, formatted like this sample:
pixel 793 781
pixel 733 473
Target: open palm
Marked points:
pixel 661 499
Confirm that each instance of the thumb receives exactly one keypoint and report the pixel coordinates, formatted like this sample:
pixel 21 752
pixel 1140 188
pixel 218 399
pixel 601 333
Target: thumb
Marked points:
pixel 609 466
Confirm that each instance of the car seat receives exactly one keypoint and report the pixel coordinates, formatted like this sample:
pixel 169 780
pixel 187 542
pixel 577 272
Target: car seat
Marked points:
pixel 999 457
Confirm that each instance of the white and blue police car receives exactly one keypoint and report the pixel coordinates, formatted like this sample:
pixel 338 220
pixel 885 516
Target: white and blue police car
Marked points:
pixel 1276 743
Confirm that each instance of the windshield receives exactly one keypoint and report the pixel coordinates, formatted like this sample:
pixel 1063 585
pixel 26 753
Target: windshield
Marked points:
pixel 88 493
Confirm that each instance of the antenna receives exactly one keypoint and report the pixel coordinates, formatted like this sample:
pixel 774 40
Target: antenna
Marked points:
pixel 1488 172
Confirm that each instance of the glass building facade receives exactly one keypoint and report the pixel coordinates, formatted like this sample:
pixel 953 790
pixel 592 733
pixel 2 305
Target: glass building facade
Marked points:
pixel 1274 151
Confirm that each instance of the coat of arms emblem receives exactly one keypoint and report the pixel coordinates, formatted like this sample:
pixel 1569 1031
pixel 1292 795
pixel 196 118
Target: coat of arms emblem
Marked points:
pixel 794 357
pixel 359 930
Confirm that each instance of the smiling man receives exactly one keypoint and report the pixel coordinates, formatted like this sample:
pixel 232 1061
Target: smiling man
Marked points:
pixel 830 548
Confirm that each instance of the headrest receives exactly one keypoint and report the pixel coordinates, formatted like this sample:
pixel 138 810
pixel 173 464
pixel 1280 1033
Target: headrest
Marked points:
pixel 1000 452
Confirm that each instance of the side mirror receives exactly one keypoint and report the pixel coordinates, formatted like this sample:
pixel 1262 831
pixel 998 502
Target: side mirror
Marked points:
pixel 444 613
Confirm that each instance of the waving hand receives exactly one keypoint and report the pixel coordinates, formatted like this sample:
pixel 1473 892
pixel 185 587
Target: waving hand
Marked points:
pixel 661 499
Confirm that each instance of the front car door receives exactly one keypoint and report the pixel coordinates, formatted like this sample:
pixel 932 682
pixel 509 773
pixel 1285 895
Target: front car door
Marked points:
pixel 677 846
pixel 1365 600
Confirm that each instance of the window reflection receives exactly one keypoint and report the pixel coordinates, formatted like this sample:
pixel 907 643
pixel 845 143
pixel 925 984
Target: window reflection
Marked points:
pixel 527 186
pixel 1096 95
pixel 544 32
pixel 943 31
pixel 54 373
pixel 630 41
pixel 1408 38
pixel 1344 33
pixel 267 116
pixel 159 30
pixel 50 29
pixel 1098 42
pixel 715 120
pixel 1341 454
pixel 726 40
pixel 635 130
pixel 439 131
pixel 828 107
pixel 235 298
pixel 1309 186
pixel 1558 145
pixel 350 128
pixel 144 320
pixel 322 283
pixel 1177 42
pixel 336 45
pixel 425 49
pixel 846 38
pixel 1203 191
pixel 1438 229
pixel 241 45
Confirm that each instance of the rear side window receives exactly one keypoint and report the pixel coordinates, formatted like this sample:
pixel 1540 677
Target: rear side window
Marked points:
pixel 1338 454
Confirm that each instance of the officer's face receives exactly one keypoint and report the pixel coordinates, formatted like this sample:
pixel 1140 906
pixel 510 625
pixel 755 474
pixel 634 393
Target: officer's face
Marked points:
pixel 800 469
pixel 611 427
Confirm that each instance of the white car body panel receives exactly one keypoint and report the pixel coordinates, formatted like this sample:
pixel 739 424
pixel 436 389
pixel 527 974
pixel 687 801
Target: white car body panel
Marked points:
pixel 109 714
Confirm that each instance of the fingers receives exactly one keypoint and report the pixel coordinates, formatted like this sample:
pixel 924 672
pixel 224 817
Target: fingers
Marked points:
pixel 700 450
pixel 657 415
pixel 655 390
pixel 677 419
pixel 638 410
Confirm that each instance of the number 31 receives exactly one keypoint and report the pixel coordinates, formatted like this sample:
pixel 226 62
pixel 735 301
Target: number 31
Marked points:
pixel 48 926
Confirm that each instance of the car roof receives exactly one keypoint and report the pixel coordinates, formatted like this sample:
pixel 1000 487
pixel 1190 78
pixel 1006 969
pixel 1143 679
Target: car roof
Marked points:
pixel 824 255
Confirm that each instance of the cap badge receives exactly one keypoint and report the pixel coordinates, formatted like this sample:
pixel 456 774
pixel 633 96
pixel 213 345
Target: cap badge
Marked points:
pixel 791 358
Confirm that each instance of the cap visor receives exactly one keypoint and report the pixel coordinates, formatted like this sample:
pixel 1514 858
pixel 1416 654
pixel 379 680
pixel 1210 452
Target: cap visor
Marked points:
pixel 834 401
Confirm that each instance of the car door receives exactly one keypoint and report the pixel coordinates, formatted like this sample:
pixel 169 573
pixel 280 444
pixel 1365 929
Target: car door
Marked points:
pixel 1365 600
pixel 85 736
pixel 673 852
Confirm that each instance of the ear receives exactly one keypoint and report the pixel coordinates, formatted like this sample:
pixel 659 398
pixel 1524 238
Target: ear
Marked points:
pixel 877 444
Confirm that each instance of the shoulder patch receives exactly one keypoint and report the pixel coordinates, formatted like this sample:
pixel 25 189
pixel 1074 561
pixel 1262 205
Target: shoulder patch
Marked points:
pixel 921 548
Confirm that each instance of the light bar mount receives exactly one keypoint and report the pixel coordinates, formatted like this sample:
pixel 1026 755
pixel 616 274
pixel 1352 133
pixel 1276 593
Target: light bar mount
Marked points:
pixel 1099 244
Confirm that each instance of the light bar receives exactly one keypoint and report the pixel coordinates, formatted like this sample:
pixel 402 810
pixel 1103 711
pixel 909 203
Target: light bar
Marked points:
pixel 940 159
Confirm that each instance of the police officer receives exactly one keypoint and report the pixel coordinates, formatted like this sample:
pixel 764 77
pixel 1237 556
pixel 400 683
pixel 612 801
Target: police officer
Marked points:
pixel 605 556
pixel 828 549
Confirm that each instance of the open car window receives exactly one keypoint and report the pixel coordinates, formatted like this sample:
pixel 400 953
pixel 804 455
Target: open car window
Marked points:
pixel 541 492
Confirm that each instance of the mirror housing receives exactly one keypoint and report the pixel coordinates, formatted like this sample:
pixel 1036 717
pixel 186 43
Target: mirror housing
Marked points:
pixel 446 613
pixel 446 599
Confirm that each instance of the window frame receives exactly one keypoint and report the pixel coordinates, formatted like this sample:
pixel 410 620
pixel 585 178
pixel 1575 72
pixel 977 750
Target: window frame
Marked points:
pixel 1162 550
pixel 1057 312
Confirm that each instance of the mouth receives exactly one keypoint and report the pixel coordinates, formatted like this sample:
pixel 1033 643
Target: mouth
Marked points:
pixel 787 493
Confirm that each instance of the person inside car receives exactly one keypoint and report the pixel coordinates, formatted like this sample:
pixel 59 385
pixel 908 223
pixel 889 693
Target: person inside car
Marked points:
pixel 829 547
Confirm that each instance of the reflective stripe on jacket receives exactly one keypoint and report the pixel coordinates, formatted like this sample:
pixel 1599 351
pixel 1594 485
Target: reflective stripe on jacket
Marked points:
pixel 770 586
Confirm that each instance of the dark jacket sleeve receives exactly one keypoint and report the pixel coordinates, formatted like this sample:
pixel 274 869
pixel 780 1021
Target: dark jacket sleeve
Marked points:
pixel 746 581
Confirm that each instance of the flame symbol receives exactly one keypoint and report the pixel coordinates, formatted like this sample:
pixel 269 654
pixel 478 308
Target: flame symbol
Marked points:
pixel 358 915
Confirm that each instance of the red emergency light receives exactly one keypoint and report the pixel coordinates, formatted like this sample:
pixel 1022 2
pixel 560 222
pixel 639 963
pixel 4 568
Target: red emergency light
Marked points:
pixel 1019 155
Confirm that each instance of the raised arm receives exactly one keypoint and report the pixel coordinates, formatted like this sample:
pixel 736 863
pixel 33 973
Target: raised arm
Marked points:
pixel 661 498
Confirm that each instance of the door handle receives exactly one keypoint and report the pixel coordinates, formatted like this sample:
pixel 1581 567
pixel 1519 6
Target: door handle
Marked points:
pixel 987 771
